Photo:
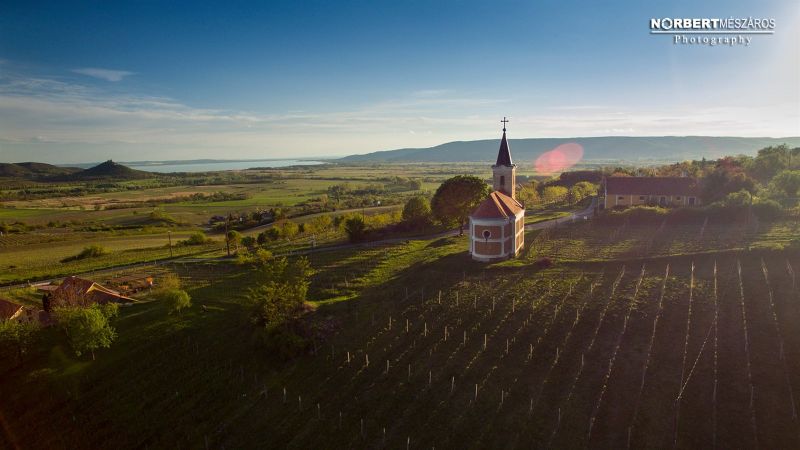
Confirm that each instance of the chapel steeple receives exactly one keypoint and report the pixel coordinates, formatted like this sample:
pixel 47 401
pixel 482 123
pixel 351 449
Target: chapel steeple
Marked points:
pixel 504 171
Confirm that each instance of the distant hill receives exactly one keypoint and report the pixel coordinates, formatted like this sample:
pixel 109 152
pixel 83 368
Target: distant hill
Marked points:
pixel 109 170
pixel 34 170
pixel 628 148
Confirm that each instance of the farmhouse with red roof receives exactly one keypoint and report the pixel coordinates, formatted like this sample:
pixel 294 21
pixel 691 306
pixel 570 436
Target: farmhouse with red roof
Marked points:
pixel 662 191
pixel 75 291
pixel 497 226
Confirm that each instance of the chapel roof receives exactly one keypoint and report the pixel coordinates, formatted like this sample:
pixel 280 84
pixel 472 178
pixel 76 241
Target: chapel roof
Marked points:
pixel 497 205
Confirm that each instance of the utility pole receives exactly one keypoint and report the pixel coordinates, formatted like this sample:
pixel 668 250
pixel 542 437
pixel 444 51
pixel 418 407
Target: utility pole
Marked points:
pixel 227 240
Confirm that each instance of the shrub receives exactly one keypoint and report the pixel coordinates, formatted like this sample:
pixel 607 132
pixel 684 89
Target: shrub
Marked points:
pixel 176 300
pixel 417 212
pixel 768 210
pixel 356 228
pixel 198 238
pixel 92 251
pixel 168 282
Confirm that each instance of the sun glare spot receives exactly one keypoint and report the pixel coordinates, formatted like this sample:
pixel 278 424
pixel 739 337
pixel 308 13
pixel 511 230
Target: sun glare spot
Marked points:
pixel 558 159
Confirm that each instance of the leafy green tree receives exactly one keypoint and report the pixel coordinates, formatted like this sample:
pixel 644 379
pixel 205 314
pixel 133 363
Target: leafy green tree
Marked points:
pixel 88 329
pixel 18 336
pixel 320 224
pixel 528 194
pixel 280 295
pixel 788 181
pixel 289 229
pixel 233 238
pixel 270 234
pixel 770 161
pixel 198 238
pixel 728 177
pixel 554 194
pixel 456 198
pixel 249 241
pixel 355 227
pixel 176 300
pixel 580 191
pixel 417 212
pixel 168 282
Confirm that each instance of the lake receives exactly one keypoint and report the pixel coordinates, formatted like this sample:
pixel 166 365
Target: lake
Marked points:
pixel 212 166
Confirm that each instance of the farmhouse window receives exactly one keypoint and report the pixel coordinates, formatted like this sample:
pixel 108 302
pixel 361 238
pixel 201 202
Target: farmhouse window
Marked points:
pixel 641 197
pixel 620 198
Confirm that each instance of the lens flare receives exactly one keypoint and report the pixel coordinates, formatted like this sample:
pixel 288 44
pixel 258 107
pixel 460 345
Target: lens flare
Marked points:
pixel 558 159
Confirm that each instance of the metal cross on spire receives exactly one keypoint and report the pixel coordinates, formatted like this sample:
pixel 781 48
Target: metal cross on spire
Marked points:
pixel 504 122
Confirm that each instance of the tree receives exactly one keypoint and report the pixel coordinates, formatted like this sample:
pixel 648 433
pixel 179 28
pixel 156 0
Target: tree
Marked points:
pixel 770 161
pixel 554 194
pixel 728 177
pixel 88 329
pixel 168 282
pixel 320 224
pixel 355 227
pixel 456 198
pixel 249 242
pixel 282 291
pixel 270 234
pixel 197 238
pixel 787 181
pixel 417 212
pixel 18 336
pixel 176 300
pixel 528 194
pixel 580 191
pixel 233 238
pixel 289 229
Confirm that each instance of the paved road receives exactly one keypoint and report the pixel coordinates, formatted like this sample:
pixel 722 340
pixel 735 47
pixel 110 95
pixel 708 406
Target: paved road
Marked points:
pixel 584 214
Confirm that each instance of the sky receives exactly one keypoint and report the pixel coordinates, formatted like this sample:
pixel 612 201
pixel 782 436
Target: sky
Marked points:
pixel 148 80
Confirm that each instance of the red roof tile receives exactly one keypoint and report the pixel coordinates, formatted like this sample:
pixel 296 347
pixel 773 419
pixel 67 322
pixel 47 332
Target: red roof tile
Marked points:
pixel 78 290
pixel 8 309
pixel 497 206
pixel 652 186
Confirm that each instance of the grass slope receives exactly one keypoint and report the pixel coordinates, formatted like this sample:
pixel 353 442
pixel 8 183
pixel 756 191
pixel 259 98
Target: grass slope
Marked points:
pixel 550 350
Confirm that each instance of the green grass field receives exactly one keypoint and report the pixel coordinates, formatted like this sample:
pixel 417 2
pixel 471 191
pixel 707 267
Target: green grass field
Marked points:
pixel 578 354
pixel 32 257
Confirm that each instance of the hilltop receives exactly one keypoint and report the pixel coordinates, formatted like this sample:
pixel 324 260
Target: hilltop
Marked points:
pixel 34 170
pixel 109 170
pixel 628 148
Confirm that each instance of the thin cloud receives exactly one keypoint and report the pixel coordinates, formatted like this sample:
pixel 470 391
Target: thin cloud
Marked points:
pixel 103 74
